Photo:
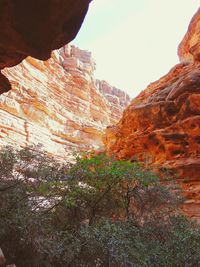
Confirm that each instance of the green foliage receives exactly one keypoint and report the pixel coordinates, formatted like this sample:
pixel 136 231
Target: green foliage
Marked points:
pixel 98 212
pixel 157 244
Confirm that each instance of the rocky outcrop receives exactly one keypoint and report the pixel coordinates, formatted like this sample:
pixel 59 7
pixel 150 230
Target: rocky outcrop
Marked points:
pixel 189 48
pixel 162 125
pixel 57 103
pixel 35 28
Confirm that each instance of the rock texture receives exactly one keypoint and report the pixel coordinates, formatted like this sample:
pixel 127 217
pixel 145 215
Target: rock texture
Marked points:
pixel 162 124
pixel 57 103
pixel 35 28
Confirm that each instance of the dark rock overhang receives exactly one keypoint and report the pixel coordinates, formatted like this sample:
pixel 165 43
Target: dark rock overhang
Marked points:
pixel 35 28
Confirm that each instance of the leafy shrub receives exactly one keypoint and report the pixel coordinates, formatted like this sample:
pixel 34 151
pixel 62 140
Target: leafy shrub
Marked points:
pixel 97 212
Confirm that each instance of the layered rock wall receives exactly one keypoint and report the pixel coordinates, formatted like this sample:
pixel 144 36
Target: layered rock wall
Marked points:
pixel 162 125
pixel 57 103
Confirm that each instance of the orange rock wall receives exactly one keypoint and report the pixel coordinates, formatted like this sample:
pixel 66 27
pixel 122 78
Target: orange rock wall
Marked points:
pixel 58 103
pixel 162 125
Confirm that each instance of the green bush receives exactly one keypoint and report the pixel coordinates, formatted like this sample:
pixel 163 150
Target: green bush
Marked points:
pixel 96 212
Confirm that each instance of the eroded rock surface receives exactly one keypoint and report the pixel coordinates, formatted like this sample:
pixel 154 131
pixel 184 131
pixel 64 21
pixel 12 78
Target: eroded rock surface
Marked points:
pixel 58 103
pixel 35 28
pixel 162 124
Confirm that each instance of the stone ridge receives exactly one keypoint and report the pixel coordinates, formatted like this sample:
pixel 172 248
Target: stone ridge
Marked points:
pixel 162 125
pixel 116 97
pixel 56 103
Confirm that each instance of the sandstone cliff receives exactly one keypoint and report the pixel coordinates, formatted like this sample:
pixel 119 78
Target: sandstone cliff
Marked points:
pixel 58 103
pixel 162 124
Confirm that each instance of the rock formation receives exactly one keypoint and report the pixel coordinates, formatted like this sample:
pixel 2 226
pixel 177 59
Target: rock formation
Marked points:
pixel 58 103
pixel 189 48
pixel 35 28
pixel 162 124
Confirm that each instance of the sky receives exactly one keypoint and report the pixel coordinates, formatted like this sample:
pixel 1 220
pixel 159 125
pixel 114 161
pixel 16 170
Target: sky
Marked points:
pixel 134 42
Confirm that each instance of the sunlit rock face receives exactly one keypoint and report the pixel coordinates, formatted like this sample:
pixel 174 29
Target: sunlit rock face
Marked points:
pixel 35 28
pixel 162 125
pixel 57 103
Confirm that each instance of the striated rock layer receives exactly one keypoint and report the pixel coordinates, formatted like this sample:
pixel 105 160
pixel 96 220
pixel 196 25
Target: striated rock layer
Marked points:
pixel 162 124
pixel 35 28
pixel 57 103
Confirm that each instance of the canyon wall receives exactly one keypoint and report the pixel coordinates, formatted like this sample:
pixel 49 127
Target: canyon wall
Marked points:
pixel 162 125
pixel 58 103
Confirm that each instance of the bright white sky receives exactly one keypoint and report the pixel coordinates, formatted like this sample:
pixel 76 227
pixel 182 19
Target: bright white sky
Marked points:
pixel 134 42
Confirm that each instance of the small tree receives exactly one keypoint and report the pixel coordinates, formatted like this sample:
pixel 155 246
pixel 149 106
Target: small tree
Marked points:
pixel 101 186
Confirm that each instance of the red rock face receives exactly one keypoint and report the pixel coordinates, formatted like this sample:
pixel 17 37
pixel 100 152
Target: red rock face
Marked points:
pixel 162 124
pixel 35 28
pixel 58 103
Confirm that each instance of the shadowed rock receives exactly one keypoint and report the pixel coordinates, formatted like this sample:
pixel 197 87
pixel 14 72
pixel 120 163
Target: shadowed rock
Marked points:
pixel 35 28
